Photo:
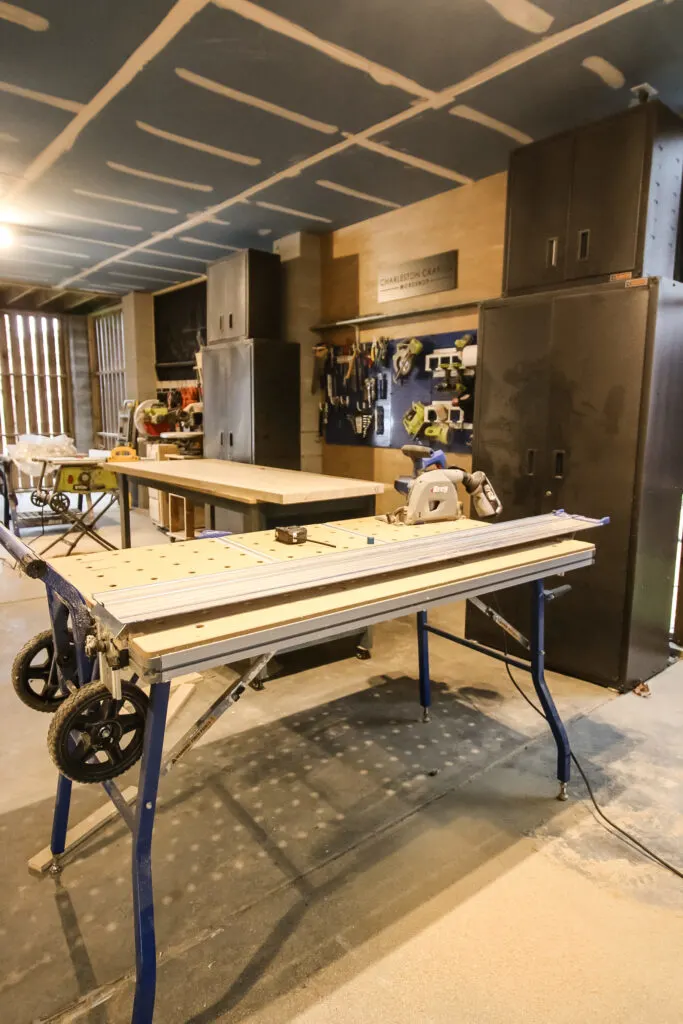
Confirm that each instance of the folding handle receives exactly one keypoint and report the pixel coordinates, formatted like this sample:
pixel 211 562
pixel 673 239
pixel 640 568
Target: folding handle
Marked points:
pixel 531 461
pixel 558 463
pixel 556 592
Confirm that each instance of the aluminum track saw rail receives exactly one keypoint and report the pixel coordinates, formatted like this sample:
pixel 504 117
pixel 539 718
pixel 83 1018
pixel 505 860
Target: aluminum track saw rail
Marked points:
pixel 161 600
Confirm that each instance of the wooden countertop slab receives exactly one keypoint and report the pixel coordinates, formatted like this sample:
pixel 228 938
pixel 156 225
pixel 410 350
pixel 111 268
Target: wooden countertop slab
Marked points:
pixel 247 483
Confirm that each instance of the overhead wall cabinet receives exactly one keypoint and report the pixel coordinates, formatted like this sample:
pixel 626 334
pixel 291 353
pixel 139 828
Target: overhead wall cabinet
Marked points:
pixel 604 199
pixel 579 407
pixel 244 297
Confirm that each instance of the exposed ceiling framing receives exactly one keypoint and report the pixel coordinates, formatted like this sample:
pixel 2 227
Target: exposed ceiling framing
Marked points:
pixel 140 141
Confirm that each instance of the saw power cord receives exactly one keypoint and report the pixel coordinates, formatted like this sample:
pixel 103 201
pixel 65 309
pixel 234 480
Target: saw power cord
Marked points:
pixel 610 826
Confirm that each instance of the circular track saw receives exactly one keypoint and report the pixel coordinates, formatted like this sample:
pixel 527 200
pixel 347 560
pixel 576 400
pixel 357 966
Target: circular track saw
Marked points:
pixel 432 490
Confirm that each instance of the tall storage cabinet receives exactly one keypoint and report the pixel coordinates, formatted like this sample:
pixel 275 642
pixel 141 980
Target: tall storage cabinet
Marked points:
pixel 579 407
pixel 251 402
pixel 604 199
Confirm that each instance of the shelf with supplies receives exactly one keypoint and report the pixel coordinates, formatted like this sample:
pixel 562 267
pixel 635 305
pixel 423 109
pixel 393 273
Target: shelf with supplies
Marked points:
pixel 386 393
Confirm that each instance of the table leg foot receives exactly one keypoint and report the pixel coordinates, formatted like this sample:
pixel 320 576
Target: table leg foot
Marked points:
pixel 55 868
pixel 564 791
pixel 426 716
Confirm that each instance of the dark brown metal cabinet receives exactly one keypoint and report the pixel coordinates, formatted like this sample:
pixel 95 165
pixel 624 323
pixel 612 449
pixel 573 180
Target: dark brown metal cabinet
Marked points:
pixel 602 200
pixel 609 178
pixel 605 422
pixel 539 189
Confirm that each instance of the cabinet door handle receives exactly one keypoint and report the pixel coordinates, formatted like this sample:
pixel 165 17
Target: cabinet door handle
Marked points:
pixel 220 323
pixel 551 250
pixel 530 461
pixel 221 438
pixel 230 320
pixel 230 436
pixel 584 244
pixel 558 463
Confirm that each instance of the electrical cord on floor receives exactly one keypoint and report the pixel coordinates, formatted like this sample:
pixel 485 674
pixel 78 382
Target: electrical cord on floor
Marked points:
pixel 610 826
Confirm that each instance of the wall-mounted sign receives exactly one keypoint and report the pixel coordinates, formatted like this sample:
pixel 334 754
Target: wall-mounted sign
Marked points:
pixel 437 273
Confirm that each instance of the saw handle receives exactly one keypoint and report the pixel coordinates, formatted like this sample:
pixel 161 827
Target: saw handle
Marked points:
pixel 423 457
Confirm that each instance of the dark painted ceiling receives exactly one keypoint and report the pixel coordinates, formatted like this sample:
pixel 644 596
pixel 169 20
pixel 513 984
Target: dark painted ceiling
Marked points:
pixel 140 140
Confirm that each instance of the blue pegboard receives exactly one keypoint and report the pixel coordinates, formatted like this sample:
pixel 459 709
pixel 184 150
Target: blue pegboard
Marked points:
pixel 419 386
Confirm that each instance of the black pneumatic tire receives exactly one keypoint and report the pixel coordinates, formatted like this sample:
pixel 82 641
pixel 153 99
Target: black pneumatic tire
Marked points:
pixel 53 691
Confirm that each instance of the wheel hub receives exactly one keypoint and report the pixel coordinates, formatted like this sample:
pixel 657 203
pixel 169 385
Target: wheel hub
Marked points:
pixel 94 737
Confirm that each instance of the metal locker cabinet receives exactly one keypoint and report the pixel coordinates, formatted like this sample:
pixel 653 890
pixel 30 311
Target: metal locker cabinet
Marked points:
pixel 598 351
pixel 276 390
pixel 511 426
pixel 607 206
pixel 659 486
pixel 215 378
pixel 512 401
pixel 244 297
pixel 539 186
pixel 238 433
pixel 226 284
pixel 228 401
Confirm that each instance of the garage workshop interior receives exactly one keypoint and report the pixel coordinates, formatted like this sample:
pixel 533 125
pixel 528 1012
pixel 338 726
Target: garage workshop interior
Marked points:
pixel 341 478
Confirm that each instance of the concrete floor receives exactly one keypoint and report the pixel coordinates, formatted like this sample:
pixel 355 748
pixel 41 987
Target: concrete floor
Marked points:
pixel 325 858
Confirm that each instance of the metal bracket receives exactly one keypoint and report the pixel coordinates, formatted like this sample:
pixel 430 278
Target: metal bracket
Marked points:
pixel 506 626
pixel 226 700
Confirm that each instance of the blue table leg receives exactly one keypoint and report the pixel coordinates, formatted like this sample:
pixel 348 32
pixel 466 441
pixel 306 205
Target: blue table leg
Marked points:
pixel 423 658
pixel 541 687
pixel 60 822
pixel 85 667
pixel 143 891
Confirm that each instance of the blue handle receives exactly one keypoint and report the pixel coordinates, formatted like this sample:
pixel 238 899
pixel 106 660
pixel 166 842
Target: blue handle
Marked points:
pixel 435 459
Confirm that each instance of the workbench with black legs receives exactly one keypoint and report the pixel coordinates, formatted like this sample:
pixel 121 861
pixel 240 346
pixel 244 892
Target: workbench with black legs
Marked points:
pixel 250 609
pixel 255 497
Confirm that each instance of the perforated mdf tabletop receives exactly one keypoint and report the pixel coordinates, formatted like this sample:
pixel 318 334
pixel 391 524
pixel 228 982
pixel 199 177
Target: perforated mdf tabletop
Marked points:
pixel 147 642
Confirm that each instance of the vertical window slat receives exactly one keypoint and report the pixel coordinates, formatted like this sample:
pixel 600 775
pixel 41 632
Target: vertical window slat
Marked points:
pixel 33 380
pixel 110 371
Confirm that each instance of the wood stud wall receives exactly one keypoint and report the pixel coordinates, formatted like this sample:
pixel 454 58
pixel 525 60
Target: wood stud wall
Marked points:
pixel 35 393
pixel 110 370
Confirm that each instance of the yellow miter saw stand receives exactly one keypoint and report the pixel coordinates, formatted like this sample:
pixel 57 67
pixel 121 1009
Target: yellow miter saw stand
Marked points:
pixel 432 490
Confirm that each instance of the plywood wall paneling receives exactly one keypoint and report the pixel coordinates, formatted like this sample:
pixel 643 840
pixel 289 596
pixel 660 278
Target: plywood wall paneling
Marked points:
pixel 470 219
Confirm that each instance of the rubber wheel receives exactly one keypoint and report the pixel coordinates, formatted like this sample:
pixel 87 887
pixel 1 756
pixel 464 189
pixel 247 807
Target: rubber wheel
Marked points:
pixel 36 677
pixel 40 498
pixel 59 502
pixel 93 737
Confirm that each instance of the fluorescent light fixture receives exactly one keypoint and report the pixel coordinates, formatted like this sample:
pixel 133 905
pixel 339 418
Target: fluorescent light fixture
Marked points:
pixel 6 236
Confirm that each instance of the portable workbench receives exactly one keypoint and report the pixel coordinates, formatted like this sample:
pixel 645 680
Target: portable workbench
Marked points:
pixel 258 496
pixel 253 598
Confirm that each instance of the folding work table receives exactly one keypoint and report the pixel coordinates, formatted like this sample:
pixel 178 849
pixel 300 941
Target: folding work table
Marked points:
pixel 258 496
pixel 252 598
